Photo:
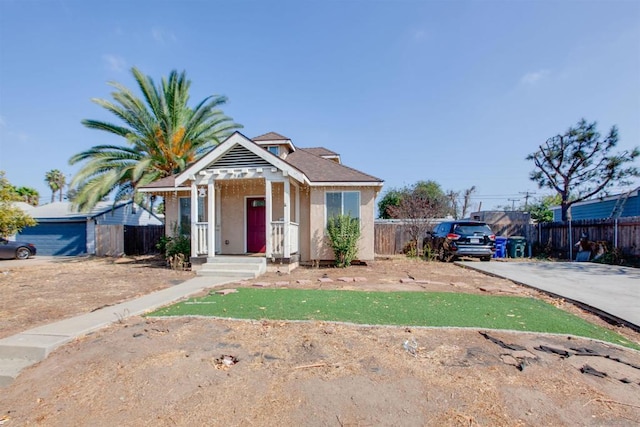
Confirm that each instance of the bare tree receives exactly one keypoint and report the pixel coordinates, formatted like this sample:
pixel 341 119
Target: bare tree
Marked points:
pixel 579 165
pixel 467 200
pixel 453 197
pixel 417 211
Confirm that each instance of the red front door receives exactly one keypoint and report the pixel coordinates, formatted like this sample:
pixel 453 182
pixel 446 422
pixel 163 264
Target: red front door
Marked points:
pixel 256 225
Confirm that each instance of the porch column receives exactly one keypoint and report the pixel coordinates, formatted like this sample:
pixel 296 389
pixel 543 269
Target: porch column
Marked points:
pixel 268 201
pixel 211 223
pixel 194 218
pixel 297 205
pixel 287 219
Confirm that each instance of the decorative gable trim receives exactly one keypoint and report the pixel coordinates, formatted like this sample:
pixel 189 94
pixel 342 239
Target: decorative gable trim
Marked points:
pixel 239 148
pixel 239 157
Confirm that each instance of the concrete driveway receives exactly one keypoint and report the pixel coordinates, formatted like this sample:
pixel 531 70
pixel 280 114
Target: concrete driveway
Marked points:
pixel 613 290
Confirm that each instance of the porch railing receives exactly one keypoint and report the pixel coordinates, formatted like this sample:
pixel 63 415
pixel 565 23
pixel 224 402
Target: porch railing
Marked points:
pixel 277 238
pixel 202 248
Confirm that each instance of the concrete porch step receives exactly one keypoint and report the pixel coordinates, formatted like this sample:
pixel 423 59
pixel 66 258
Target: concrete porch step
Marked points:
pixel 241 267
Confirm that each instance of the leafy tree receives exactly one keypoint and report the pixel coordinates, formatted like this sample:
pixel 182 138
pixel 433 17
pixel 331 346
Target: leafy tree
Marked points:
pixel 390 198
pixel 56 182
pixel 579 164
pixel 425 190
pixel 418 205
pixel 431 190
pixel 28 195
pixel 12 218
pixel 541 211
pixel 163 135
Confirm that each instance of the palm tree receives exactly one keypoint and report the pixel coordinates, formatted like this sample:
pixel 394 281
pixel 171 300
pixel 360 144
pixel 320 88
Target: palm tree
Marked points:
pixel 29 195
pixel 163 135
pixel 56 182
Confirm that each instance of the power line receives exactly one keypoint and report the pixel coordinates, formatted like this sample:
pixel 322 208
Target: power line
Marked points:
pixel 513 203
pixel 527 194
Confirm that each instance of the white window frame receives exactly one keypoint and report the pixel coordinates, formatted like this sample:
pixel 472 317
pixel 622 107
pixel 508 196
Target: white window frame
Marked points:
pixel 326 205
pixel 201 214
pixel 277 149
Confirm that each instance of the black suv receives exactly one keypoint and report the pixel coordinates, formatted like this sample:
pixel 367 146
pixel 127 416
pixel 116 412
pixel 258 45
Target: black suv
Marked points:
pixel 453 239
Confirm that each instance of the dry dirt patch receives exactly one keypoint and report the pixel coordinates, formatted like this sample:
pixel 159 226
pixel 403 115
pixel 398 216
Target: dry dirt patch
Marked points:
pixel 169 371
pixel 33 295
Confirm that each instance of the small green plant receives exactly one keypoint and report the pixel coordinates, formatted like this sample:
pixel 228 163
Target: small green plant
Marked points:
pixel 161 246
pixel 409 249
pixel 344 233
pixel 180 244
pixel 429 253
pixel 176 249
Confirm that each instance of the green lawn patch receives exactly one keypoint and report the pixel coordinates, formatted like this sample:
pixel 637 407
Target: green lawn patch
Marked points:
pixel 395 308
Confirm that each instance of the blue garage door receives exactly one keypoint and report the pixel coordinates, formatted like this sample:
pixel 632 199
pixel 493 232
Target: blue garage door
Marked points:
pixel 57 238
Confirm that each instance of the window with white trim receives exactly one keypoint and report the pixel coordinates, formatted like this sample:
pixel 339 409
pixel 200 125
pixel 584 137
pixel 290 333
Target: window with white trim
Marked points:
pixel 185 214
pixel 342 203
pixel 274 149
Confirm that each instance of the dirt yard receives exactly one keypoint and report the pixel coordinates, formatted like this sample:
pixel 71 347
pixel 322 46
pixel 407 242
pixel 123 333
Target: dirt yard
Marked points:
pixel 195 371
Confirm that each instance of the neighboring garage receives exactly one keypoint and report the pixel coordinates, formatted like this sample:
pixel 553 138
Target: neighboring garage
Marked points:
pixel 57 238
pixel 65 232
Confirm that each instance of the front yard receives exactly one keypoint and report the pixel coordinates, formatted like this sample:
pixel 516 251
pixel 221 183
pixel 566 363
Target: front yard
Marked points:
pixel 204 371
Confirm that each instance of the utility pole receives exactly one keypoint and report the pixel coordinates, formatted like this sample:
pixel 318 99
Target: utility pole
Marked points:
pixel 527 194
pixel 513 203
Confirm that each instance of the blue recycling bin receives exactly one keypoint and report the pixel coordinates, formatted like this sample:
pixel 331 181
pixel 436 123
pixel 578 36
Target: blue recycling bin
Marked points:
pixel 501 247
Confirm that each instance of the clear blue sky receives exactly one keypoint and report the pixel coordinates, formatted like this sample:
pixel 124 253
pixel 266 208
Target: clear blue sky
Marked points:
pixel 457 92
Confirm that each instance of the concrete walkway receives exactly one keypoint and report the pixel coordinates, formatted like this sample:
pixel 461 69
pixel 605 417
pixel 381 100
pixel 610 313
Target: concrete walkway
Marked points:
pixel 29 347
pixel 609 289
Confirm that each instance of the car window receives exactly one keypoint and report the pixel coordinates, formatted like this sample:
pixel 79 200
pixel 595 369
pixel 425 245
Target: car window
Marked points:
pixel 467 229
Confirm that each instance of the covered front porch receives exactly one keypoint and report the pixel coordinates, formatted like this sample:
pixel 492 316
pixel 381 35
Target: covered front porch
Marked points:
pixel 243 211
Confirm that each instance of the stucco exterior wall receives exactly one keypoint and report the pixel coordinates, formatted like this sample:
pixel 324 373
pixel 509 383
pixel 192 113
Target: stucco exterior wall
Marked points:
pixel 304 223
pixel 319 246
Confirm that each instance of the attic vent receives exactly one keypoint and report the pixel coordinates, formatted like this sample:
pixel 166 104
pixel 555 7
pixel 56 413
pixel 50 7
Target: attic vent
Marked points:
pixel 239 157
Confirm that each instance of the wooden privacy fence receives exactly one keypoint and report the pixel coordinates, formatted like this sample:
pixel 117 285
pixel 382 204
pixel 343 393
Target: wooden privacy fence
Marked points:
pixel 623 233
pixel 142 240
pixel 109 240
pixel 392 237
pixel 116 240
pixel 552 237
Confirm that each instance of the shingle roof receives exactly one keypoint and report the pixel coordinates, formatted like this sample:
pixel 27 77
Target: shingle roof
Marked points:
pixel 25 207
pixel 320 151
pixel 319 169
pixel 306 160
pixel 62 210
pixel 271 136
pixel 168 181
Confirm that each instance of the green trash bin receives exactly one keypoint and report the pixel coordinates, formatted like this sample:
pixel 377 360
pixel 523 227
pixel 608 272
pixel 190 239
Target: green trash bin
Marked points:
pixel 516 246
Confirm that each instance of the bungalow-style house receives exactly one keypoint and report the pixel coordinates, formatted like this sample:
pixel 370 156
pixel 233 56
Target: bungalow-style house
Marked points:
pixel 266 197
pixel 616 206
pixel 63 231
